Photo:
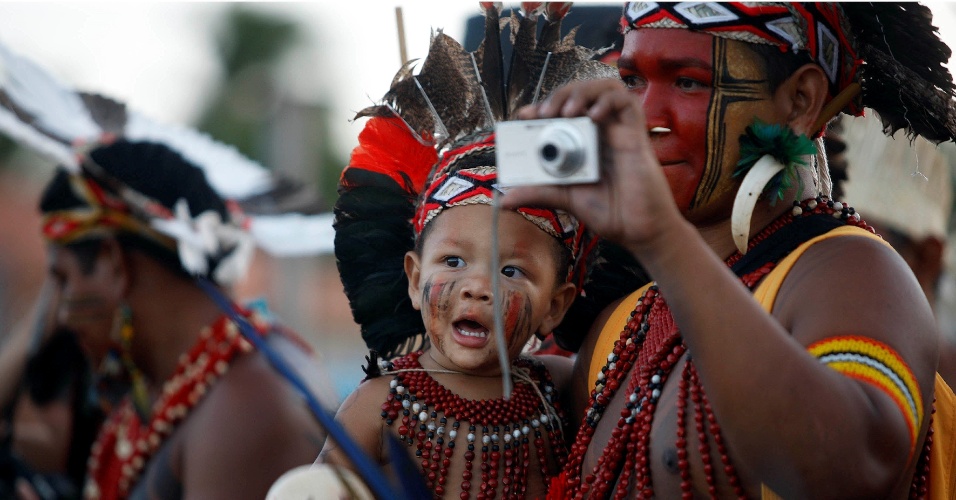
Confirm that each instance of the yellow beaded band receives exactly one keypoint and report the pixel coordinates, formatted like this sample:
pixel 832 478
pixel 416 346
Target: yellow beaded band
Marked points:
pixel 879 365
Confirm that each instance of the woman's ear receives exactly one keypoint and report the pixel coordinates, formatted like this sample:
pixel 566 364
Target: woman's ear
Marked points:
pixel 561 301
pixel 803 96
pixel 413 271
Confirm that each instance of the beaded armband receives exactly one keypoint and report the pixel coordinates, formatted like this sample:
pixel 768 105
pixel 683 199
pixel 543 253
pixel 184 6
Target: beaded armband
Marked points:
pixel 879 365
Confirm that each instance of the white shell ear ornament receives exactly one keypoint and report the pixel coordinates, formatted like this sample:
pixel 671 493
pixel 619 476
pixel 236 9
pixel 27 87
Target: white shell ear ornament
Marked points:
pixel 659 130
pixel 769 157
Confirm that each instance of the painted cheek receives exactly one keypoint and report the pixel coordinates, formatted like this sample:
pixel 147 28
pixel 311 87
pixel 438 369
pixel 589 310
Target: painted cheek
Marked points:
pixel 684 183
pixel 438 297
pixel 517 313
pixel 741 90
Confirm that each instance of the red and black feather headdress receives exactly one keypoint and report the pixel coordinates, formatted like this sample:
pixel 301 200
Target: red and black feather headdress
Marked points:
pixel 430 127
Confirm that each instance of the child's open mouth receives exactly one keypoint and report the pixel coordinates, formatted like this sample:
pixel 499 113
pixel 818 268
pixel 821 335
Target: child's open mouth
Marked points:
pixel 471 333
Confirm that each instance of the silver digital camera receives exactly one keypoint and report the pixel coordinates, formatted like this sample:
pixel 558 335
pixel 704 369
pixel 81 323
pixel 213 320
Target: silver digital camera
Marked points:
pixel 549 151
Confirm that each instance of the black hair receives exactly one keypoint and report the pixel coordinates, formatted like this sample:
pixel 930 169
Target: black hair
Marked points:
pixel 152 169
pixel 778 65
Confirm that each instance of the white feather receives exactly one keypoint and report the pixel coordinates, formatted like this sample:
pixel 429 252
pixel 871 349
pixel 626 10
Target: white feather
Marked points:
pixel 230 173
pixel 30 137
pixel 289 235
pixel 53 108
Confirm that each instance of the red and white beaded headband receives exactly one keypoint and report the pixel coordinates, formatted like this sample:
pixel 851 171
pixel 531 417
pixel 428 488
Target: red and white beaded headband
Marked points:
pixel 476 185
pixel 819 28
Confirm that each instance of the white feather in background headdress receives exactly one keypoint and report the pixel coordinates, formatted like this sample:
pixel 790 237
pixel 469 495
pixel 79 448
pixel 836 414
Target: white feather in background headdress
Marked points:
pixel 63 124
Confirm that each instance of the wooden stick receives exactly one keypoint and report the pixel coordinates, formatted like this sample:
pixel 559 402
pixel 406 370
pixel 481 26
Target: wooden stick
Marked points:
pixel 401 35
pixel 837 104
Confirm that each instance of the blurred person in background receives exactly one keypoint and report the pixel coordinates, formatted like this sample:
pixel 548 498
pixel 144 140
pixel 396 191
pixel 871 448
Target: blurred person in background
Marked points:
pixel 146 239
pixel 905 191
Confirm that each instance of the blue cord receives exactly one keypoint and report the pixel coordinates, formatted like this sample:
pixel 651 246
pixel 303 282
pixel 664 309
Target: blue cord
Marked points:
pixel 370 472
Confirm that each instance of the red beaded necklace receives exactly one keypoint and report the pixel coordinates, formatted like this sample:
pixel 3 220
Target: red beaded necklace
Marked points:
pixel 125 444
pixel 648 349
pixel 502 431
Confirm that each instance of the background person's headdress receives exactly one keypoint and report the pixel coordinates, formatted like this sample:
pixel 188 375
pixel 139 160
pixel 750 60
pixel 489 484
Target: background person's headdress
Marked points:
pixel 904 186
pixel 174 188
pixel 428 146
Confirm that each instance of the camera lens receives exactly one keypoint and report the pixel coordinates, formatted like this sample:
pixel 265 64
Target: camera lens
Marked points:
pixel 561 149
pixel 549 152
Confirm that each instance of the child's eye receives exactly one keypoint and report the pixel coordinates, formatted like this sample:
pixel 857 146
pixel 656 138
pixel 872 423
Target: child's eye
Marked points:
pixel 512 272
pixel 454 261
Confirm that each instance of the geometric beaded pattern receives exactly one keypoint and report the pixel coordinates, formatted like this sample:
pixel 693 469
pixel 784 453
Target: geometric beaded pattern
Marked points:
pixel 879 365
pixel 814 27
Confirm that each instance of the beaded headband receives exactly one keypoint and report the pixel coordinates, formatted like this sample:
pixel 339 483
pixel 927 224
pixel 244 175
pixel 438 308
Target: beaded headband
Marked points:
pixel 476 185
pixel 103 215
pixel 817 28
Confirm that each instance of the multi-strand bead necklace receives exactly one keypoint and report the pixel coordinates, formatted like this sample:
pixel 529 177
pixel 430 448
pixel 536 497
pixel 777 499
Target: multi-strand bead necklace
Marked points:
pixel 126 443
pixel 499 433
pixel 642 360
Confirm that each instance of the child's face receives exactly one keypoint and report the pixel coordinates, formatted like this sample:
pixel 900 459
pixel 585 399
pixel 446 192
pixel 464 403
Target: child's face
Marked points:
pixel 450 282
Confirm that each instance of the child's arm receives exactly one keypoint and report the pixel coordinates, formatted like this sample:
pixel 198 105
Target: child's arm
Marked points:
pixel 361 416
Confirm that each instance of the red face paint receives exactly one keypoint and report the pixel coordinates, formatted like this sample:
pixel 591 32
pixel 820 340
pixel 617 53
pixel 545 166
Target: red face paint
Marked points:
pixel 706 90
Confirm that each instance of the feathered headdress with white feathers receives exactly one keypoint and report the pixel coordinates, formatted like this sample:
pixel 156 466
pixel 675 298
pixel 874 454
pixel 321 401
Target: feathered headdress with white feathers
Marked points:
pixel 73 128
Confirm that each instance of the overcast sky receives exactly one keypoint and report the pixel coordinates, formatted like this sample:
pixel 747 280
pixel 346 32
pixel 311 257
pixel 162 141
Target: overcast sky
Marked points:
pixel 158 57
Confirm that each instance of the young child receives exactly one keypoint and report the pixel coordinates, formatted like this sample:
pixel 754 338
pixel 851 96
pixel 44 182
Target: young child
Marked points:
pixel 414 248
pixel 445 401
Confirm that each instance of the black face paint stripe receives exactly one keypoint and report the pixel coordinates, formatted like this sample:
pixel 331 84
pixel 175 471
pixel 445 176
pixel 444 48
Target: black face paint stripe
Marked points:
pixel 727 90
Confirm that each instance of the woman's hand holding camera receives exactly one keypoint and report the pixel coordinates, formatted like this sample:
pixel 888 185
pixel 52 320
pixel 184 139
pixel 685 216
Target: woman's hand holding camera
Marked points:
pixel 632 203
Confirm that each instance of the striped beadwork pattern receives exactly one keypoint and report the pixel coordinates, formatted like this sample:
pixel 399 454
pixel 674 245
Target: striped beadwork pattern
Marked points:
pixel 879 365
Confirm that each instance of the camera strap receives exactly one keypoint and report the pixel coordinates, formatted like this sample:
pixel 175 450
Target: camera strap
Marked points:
pixel 499 324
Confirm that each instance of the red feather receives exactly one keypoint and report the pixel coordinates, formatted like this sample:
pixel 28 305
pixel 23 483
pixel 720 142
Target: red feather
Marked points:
pixel 388 147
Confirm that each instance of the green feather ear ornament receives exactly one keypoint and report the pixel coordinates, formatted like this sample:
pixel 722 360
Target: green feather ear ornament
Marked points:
pixel 770 156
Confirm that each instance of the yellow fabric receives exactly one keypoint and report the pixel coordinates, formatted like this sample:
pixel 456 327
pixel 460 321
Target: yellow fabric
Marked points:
pixel 942 478
pixel 611 332
pixel 942 456
pixel 766 292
